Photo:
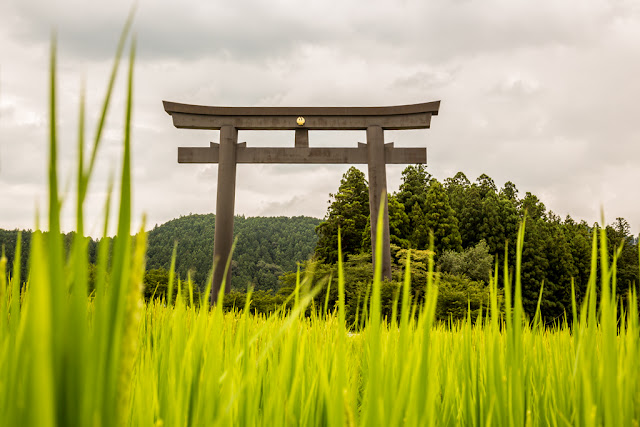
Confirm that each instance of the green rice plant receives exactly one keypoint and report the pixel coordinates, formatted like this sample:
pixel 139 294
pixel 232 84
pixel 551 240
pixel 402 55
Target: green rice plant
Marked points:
pixel 69 358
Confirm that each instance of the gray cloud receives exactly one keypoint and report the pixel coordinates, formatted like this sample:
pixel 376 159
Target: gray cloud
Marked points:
pixel 252 30
pixel 543 94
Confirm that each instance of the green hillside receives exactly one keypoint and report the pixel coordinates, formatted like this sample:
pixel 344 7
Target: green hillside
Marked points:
pixel 266 247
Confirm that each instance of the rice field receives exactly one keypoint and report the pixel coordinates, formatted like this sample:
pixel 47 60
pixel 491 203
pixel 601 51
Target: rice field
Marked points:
pixel 108 359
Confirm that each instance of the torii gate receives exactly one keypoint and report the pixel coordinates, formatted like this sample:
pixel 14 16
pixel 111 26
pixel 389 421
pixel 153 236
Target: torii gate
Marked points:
pixel 228 153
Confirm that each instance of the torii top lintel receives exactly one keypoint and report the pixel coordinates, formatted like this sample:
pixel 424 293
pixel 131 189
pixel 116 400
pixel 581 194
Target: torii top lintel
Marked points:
pixel 413 116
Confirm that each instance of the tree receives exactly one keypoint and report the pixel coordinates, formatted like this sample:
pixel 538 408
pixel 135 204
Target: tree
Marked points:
pixel 470 216
pixel 456 188
pixel 547 259
pixel 440 218
pixel 491 227
pixel 428 205
pixel 498 224
pixel 414 187
pixel 399 223
pixel 560 269
pixel 619 239
pixel 509 192
pixel 349 212
pixel 483 213
pixel 486 185
pixel 533 206
pixel 420 234
pixel 579 238
pixel 534 268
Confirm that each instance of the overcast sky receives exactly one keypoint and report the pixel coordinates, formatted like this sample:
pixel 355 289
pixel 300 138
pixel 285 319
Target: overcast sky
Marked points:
pixel 541 93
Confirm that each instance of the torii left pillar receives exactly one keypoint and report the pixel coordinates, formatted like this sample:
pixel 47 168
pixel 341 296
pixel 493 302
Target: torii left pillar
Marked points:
pixel 225 203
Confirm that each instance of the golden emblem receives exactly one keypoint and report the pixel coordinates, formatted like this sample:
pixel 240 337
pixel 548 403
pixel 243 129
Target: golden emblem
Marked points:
pixel 300 121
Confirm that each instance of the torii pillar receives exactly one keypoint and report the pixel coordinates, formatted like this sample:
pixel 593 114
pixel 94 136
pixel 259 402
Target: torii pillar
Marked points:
pixel 225 203
pixel 378 194
pixel 228 153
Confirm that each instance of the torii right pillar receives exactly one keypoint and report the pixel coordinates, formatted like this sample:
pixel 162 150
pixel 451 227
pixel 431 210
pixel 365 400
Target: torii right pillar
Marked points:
pixel 378 197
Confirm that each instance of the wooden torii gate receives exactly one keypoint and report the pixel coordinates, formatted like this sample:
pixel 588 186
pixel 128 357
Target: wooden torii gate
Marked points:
pixel 375 153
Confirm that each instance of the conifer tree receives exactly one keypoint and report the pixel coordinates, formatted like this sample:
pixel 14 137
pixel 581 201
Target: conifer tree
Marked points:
pixel 399 223
pixel 619 238
pixel 561 268
pixel 420 231
pixel 456 188
pixel 509 192
pixel 534 267
pixel 414 187
pixel 349 211
pixel 440 218
pixel 579 238
pixel 470 216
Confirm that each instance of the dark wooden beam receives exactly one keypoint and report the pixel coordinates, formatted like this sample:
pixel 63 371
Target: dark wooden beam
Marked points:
pixel 263 122
pixel 225 201
pixel 426 107
pixel 302 138
pixel 378 204
pixel 317 155
pixel 301 155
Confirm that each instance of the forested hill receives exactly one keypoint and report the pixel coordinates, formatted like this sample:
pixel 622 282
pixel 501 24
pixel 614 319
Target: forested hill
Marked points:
pixel 266 247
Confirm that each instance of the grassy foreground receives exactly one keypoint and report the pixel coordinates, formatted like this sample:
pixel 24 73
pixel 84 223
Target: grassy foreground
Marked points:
pixel 69 360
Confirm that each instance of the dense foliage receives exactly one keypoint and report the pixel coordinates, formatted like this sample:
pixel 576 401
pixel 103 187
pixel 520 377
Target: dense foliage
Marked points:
pixel 463 215
pixel 458 292
pixel 9 238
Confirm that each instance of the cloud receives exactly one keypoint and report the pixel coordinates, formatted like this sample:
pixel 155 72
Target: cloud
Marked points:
pixel 543 94
pixel 254 30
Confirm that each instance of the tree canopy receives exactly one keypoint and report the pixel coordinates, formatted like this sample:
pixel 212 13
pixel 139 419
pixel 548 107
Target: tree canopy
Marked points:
pixel 470 219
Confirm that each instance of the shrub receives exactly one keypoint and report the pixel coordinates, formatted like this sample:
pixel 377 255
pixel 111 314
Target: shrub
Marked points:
pixel 475 263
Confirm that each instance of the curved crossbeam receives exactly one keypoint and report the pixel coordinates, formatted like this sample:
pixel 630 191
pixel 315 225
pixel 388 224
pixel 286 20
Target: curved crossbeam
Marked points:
pixel 413 116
